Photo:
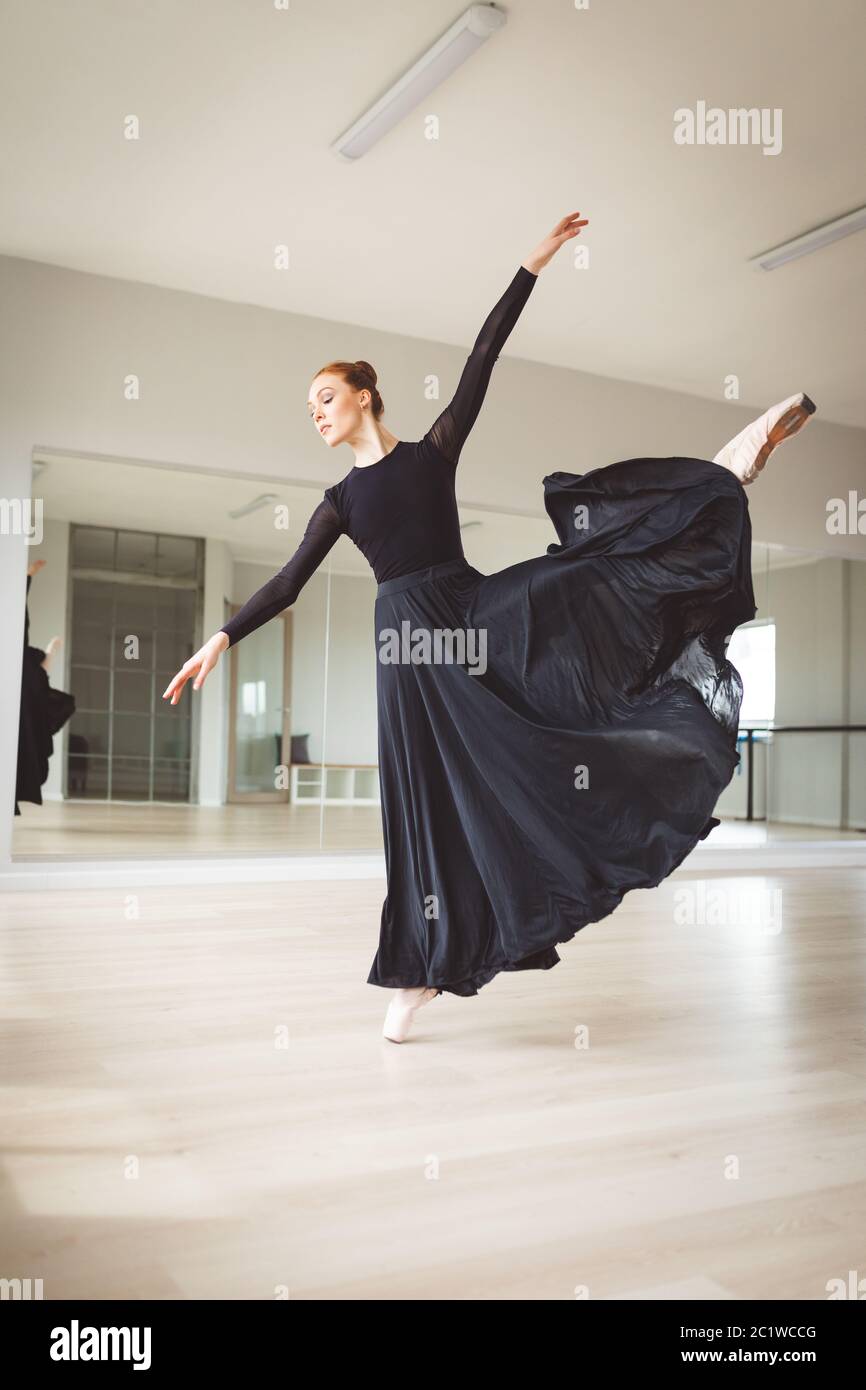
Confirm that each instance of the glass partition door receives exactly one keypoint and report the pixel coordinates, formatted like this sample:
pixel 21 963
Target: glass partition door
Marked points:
pixel 260 683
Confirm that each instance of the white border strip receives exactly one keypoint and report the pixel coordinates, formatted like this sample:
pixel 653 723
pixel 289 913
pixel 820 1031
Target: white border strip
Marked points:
pixel 31 876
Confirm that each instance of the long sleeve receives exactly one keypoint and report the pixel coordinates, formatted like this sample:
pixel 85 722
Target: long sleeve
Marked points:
pixel 448 433
pixel 323 529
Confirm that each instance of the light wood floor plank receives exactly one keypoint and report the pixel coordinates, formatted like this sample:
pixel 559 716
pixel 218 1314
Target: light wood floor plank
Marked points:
pixel 710 1141
pixel 61 830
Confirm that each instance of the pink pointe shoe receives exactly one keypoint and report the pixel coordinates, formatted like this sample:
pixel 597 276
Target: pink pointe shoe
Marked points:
pixel 748 451
pixel 401 1010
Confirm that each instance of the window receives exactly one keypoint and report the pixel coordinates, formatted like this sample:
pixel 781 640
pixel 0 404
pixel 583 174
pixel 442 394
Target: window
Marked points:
pixel 752 650
pixel 135 597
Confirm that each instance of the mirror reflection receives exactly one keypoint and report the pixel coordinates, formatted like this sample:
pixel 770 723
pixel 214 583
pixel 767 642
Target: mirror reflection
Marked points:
pixel 277 753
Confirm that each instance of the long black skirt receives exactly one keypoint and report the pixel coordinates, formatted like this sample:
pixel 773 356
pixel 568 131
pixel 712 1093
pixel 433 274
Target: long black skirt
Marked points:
pixel 43 712
pixel 574 745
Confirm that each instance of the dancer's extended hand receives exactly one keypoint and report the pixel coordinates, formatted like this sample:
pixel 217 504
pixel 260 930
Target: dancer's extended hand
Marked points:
pixel 563 231
pixel 204 660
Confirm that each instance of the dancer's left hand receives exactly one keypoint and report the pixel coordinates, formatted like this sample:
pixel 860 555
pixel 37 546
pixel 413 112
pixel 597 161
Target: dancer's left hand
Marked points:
pixel 564 230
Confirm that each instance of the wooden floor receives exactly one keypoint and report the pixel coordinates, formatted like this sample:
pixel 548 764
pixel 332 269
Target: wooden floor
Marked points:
pixel 197 1103
pixel 72 830
pixel 61 830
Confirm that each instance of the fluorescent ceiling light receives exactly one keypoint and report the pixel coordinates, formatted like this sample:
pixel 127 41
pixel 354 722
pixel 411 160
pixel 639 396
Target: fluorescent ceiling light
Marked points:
pixel 811 241
pixel 457 43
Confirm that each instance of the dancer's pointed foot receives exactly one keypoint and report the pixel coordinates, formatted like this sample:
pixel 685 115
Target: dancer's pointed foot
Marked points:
pixel 401 1011
pixel 748 451
pixel 53 646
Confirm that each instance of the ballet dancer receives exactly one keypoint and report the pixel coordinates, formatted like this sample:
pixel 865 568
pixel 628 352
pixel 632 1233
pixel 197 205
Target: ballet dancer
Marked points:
pixel 43 711
pixel 606 655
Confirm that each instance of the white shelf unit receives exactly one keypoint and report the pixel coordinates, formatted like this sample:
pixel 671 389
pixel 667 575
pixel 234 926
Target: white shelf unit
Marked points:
pixel 345 784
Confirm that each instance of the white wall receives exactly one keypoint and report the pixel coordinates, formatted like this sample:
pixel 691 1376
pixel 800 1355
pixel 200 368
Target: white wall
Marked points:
pixel 223 386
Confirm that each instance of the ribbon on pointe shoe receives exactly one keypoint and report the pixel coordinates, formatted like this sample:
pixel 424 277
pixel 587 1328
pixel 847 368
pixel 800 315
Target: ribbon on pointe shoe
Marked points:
pixel 746 454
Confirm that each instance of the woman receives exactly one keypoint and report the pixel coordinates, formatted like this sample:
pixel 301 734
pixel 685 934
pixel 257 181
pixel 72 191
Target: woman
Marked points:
pixel 43 712
pixel 552 735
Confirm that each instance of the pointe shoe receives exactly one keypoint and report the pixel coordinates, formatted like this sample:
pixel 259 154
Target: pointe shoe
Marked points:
pixel 53 646
pixel 401 1011
pixel 748 451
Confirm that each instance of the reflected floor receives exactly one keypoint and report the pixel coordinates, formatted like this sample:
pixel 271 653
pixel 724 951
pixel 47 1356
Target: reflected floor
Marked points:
pixel 74 830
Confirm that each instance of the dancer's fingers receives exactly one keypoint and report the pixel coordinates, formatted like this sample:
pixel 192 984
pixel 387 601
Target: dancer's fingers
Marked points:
pixel 572 231
pixel 172 685
pixel 205 667
pixel 573 219
pixel 176 693
pixel 563 222
pixel 176 689
pixel 176 685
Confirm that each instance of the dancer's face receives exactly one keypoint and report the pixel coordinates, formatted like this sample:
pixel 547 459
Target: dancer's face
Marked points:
pixel 335 408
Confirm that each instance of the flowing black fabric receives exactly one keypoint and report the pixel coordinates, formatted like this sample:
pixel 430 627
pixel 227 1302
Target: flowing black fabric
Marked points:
pixel 44 710
pixel 574 746
pixel 607 655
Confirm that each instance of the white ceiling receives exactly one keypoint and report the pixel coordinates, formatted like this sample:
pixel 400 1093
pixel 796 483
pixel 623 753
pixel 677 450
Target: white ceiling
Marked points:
pixel 563 109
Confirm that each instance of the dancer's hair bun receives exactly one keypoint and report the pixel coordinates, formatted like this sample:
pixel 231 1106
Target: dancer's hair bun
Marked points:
pixel 361 376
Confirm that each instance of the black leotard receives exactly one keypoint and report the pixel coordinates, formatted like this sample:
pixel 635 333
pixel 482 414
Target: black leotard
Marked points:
pixel 401 512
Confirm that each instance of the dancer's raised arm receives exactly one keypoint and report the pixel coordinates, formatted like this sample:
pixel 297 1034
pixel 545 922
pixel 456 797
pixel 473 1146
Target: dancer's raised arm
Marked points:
pixel 449 431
